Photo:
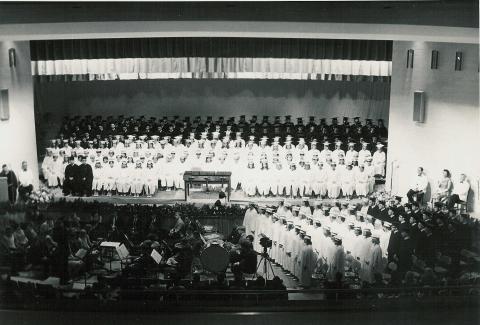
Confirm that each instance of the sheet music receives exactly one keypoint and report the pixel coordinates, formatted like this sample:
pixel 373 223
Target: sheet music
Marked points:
pixel 122 251
pixel 156 256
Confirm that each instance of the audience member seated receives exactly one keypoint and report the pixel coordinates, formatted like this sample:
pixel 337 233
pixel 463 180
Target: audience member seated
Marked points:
pixel 419 187
pixel 460 192
pixel 444 187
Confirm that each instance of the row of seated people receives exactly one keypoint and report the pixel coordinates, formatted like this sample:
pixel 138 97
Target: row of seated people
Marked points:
pixel 330 240
pixel 260 169
pixel 97 129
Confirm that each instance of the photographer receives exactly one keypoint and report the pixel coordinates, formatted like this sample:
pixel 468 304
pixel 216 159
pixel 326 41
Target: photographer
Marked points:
pixel 246 260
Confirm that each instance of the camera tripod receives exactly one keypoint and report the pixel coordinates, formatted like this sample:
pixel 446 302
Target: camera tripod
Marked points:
pixel 267 265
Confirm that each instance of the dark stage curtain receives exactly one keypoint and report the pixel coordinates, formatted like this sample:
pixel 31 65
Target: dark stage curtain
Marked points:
pixel 211 47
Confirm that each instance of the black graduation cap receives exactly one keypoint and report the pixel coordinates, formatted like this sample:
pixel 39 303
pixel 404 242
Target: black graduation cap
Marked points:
pixel 287 117
pixel 345 119
pixel 265 117
pixel 187 118
pixel 277 118
pixel 299 119
pixel 322 120
pixel 209 118
pixel 312 118
pixel 398 198
pixel 254 116
pixel 221 118
pixel 242 116
pixel 369 120
pixel 334 119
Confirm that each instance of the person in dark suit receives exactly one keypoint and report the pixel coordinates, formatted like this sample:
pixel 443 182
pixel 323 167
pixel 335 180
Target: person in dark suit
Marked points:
pixel 85 177
pixel 12 183
pixel 71 172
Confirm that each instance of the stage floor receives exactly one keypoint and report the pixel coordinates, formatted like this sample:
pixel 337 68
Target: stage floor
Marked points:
pixel 196 197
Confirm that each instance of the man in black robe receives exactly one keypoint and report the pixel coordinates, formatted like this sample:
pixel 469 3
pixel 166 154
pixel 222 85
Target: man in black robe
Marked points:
pixel 85 177
pixel 12 183
pixel 405 252
pixel 71 172
pixel 393 243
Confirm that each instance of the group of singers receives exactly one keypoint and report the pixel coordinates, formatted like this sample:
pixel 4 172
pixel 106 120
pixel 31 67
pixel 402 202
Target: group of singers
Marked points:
pixel 140 165
pixel 324 240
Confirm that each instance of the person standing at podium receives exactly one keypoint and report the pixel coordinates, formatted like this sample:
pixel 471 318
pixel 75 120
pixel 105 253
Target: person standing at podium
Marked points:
pixel 12 183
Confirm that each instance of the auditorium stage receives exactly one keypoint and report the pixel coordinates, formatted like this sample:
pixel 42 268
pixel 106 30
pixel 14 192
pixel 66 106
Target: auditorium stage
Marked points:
pixel 196 197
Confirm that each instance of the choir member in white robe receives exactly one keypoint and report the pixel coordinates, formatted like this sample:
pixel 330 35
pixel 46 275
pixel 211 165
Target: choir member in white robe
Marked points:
pixel 123 180
pixel 263 179
pixel 321 179
pixel 282 238
pixel 370 170
pixel 305 208
pixel 249 220
pixel 137 179
pixel 325 152
pixel 350 153
pixel 236 169
pixel 385 237
pixel 379 160
pixel 249 179
pixel 111 175
pixel 294 183
pixel 337 153
pixel 361 182
pixel 275 232
pixel 376 258
pixel 337 262
pixel 348 182
pixel 98 178
pixel 297 251
pixel 333 182
pixel 317 211
pixel 151 179
pixel 288 241
pixel 363 153
pixel 365 255
pixel 308 262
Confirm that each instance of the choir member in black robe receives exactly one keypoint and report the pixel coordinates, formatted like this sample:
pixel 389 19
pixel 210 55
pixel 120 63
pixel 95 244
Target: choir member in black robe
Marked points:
pixel 394 244
pixel 71 172
pixel 425 249
pixel 405 252
pixel 85 178
pixel 12 183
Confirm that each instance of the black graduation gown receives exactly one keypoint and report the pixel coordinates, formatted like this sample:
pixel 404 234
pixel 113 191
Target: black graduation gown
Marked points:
pixel 85 174
pixel 71 179
pixel 393 245
pixel 405 252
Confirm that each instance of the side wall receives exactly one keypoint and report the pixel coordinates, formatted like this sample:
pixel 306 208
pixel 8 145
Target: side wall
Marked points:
pixel 17 135
pixel 449 138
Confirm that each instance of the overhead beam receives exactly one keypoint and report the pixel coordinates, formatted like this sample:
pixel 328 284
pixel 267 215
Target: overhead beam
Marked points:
pixel 134 29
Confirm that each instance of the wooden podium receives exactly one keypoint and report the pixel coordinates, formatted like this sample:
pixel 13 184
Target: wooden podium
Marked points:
pixel 3 190
pixel 206 177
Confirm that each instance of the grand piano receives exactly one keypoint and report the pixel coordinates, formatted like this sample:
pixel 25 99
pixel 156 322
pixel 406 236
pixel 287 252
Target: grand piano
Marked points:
pixel 206 177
